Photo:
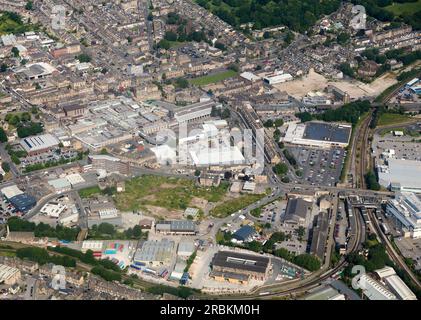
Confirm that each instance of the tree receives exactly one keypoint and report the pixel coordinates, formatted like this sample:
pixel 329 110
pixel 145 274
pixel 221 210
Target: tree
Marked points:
pixel 15 52
pixel 181 83
pixel 3 135
pixel 170 36
pixel 3 67
pixel 5 166
pixel 279 122
pixel 280 168
pixel 83 57
pixel 342 38
pixel 226 113
pixel 29 6
pixel 234 67
pixel 104 151
pixel 164 44
pixel 197 172
pixel 268 123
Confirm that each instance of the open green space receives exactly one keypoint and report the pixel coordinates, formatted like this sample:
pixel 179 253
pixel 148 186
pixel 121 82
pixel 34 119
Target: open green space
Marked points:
pixel 212 78
pixel 11 22
pixel 164 192
pixel 401 9
pixel 392 118
pixel 230 206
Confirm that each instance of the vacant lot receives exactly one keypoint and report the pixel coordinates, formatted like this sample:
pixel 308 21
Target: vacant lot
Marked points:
pixel 402 9
pixel 230 206
pixel 392 118
pixel 212 78
pixel 168 193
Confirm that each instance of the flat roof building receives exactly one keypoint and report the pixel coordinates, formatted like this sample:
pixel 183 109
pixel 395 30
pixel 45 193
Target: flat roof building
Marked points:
pixel 252 266
pixel 39 144
pixel 9 275
pixel 318 134
pixel 403 173
pixel 155 253
pixel 297 211
pixel 406 208
pixel 199 110
pixel 11 191
pixel 186 227
pixel 23 202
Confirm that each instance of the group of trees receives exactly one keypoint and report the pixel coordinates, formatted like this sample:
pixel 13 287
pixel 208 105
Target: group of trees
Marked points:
pixel 371 181
pixel 222 113
pixel 350 112
pixel 41 256
pixel 298 15
pixel 271 123
pixel 108 231
pixel 25 127
pixel 280 169
pixel 42 229
pixel 87 257
pixel 106 274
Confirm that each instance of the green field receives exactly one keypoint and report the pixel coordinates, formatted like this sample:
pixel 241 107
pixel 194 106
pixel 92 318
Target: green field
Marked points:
pixel 392 118
pixel 89 192
pixel 212 78
pixel 169 193
pixel 401 9
pixel 12 23
pixel 230 206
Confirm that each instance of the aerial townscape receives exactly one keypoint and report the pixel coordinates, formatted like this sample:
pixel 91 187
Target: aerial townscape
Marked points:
pixel 210 149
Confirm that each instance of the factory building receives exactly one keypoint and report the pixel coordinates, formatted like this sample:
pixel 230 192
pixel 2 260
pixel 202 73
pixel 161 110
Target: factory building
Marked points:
pixel 20 200
pixel 155 253
pixel 374 290
pixel 239 267
pixel 196 111
pixel 297 212
pixel 36 145
pixel 389 277
pixel 9 275
pixel 318 134
pixel 186 227
pixel 402 175
pixel 109 164
pixel 406 208
pixel 277 78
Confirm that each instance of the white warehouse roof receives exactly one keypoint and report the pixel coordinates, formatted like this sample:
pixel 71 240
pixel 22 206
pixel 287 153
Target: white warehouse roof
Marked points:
pixel 41 142
pixel 11 191
pixel 400 288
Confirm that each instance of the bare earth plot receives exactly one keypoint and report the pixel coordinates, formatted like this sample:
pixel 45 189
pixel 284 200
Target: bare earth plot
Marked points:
pixel 356 89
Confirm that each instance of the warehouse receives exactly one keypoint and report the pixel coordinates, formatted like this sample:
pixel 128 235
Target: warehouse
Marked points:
pixel 388 276
pixel 196 111
pixel 36 145
pixel 11 191
pixel 297 212
pixel 404 174
pixel 9 275
pixel 155 253
pixel 277 78
pixel 23 202
pixel 53 209
pixel 225 156
pixel 60 185
pixel 185 248
pixel 406 208
pixel 244 234
pixel 252 266
pixel 186 227
pixel 318 134
pixel 374 290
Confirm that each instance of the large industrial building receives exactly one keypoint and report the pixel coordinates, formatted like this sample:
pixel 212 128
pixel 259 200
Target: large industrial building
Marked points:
pixel 374 290
pixel 186 227
pixel 35 145
pixel 239 267
pixel 388 276
pixel 297 212
pixel 401 175
pixel 318 134
pixel 196 111
pixel 155 253
pixel 109 164
pixel 19 199
pixel 406 208
pixel 9 275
